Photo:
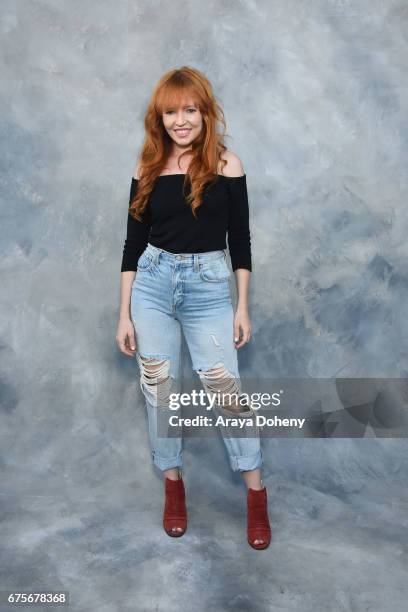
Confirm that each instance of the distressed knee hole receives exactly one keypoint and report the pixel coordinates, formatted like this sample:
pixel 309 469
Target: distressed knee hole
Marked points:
pixel 225 386
pixel 155 379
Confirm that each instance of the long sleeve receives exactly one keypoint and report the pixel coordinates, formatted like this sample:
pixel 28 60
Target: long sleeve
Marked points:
pixel 239 237
pixel 137 235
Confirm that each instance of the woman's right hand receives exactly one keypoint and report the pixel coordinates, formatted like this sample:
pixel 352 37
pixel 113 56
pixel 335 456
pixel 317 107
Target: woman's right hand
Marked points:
pixel 125 337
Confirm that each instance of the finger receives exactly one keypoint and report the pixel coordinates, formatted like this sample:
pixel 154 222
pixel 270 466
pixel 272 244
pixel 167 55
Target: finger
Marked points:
pixel 124 348
pixel 244 338
pixel 132 342
pixel 128 352
pixel 240 342
pixel 236 332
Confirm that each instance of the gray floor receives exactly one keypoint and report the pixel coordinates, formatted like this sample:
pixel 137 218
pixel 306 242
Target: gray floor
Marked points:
pixel 335 547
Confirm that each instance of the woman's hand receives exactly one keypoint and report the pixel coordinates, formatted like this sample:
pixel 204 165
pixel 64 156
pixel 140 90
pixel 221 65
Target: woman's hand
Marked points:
pixel 242 327
pixel 125 337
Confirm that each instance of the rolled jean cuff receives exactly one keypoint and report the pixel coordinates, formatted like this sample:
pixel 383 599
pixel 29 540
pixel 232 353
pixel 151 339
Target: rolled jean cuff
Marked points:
pixel 250 462
pixel 166 463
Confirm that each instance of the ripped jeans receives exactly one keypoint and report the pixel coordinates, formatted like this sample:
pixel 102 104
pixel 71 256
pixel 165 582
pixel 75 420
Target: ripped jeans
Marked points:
pixel 191 292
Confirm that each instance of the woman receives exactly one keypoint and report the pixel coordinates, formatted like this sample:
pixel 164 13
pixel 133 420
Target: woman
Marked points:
pixel 187 191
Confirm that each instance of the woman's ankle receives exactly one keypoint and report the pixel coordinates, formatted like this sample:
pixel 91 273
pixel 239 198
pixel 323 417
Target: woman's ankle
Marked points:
pixel 173 474
pixel 253 479
pixel 256 486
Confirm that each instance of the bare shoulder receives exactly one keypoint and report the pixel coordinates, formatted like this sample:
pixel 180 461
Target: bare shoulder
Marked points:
pixel 136 171
pixel 233 167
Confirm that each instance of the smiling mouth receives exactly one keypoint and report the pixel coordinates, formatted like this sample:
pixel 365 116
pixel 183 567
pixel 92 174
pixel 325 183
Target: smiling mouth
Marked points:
pixel 183 132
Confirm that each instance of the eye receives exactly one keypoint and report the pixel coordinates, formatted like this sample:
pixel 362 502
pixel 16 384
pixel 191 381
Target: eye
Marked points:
pixel 190 110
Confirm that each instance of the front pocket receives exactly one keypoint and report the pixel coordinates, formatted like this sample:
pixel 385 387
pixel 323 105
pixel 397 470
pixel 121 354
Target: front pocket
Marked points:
pixel 145 261
pixel 215 271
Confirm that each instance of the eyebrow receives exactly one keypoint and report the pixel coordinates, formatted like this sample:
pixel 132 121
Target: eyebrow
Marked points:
pixel 185 106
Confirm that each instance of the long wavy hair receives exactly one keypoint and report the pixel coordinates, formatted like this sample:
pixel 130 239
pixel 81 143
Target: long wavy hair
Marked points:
pixel 171 90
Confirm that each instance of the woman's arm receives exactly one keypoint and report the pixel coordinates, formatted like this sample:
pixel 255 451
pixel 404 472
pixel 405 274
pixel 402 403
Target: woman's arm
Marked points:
pixel 135 243
pixel 125 333
pixel 242 323
pixel 239 243
pixel 126 282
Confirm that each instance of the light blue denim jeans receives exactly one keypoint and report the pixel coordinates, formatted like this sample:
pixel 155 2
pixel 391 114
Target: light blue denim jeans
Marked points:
pixel 190 292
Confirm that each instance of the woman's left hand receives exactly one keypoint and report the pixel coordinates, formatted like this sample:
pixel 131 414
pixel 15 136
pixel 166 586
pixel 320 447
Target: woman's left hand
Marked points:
pixel 242 327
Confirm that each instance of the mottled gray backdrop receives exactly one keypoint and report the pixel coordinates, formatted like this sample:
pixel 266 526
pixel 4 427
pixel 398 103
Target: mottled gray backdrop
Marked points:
pixel 315 96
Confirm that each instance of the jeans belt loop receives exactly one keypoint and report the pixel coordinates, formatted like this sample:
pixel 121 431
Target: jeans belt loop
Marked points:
pixel 156 255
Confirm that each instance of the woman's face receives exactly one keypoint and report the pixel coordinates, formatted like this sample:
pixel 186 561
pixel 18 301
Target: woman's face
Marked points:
pixel 183 124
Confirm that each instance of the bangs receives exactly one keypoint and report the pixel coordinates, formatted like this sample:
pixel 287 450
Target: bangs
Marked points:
pixel 173 95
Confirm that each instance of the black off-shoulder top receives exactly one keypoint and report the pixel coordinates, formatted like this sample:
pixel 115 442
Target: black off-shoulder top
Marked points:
pixel 168 222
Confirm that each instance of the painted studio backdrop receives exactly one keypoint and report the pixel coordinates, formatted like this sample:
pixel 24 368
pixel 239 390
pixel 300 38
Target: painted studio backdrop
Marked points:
pixel 315 98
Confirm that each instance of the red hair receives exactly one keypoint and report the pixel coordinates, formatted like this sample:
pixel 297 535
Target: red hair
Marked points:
pixel 172 89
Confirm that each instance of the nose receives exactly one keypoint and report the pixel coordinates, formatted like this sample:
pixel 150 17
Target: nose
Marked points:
pixel 180 120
